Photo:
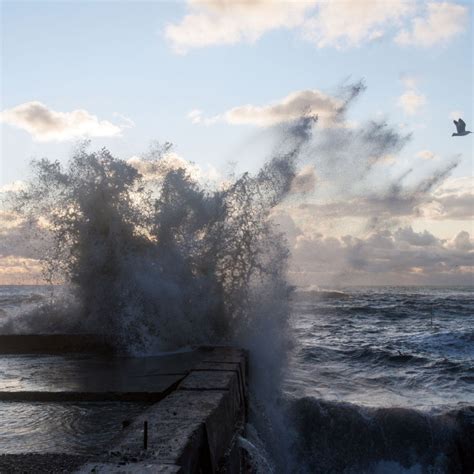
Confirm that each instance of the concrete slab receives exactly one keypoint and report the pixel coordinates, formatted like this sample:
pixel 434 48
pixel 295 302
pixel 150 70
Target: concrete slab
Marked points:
pixel 192 430
pixel 221 424
pixel 226 367
pixel 87 377
pixel 34 463
pixel 129 468
pixel 228 356
pixel 186 427
pixel 161 390
pixel 54 344
pixel 179 442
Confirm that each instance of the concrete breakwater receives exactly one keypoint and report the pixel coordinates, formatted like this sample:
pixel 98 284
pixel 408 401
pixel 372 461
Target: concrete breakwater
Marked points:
pixel 196 409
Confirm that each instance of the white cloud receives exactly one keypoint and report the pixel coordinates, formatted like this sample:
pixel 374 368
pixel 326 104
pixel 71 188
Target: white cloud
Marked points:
pixel 212 22
pixel 325 23
pixel 411 101
pixel 425 155
pixel 156 169
pixel 443 21
pixel 45 124
pixel 293 106
pixel 349 24
pixel 197 117
pixel 453 199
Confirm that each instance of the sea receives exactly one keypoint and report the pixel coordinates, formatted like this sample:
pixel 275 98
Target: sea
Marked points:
pixel 378 380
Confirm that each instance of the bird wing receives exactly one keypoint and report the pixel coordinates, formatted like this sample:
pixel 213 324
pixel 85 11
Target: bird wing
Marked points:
pixel 461 125
pixel 457 125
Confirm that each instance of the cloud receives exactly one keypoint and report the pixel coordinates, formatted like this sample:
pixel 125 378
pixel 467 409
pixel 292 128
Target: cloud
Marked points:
pixel 45 124
pixel 463 241
pixel 443 21
pixel 383 257
pixel 325 23
pixel 416 239
pixel 453 199
pixel 305 181
pixel 20 271
pixel 411 101
pixel 434 198
pixel 213 22
pixel 425 155
pixel 298 104
pixel 154 168
pixel 349 24
pixel 197 117
pixel 23 244
pixel 291 107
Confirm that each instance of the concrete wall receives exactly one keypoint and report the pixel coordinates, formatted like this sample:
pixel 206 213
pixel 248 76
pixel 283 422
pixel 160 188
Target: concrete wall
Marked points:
pixel 53 344
pixel 192 430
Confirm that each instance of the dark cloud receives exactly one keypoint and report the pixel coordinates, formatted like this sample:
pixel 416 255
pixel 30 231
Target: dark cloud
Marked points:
pixel 384 257
pixel 23 239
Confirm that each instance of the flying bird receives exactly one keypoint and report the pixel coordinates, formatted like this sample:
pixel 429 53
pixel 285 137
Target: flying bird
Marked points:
pixel 461 128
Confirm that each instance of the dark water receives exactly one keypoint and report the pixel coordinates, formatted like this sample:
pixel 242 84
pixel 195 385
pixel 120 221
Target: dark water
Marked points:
pixel 382 380
pixel 74 428
pixel 17 299
pixel 385 347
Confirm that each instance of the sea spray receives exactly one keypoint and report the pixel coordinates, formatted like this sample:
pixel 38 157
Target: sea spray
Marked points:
pixel 167 262
pixel 161 262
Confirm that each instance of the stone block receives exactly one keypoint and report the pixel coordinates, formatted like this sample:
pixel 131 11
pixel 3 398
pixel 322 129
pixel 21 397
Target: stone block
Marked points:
pixel 178 442
pixel 226 366
pixel 147 467
pixel 228 356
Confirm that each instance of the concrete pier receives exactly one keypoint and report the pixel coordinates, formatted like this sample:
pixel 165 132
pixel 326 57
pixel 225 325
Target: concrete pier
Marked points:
pixel 198 407
pixel 192 430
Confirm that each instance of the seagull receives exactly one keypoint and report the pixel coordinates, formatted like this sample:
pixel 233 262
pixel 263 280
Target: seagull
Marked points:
pixel 461 128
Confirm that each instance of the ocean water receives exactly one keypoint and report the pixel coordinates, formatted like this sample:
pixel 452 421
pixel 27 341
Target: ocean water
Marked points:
pixel 411 347
pixel 18 299
pixel 379 380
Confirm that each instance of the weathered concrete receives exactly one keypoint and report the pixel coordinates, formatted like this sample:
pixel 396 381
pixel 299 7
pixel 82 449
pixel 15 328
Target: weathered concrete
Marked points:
pixel 36 463
pixel 100 396
pixel 92 378
pixel 54 344
pixel 195 427
pixel 130 468
pixel 201 409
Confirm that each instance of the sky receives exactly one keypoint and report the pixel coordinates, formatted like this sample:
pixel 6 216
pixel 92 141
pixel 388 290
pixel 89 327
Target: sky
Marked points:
pixel 217 78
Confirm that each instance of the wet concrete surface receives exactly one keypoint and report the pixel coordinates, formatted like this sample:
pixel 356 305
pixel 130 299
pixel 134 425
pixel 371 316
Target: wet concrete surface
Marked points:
pixel 201 400
pixel 89 377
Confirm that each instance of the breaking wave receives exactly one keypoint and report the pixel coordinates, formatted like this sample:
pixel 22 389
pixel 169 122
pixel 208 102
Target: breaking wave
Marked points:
pixel 158 260
pixel 344 438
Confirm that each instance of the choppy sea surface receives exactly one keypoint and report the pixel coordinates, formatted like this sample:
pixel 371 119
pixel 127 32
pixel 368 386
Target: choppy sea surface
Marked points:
pixel 380 380
pixel 411 347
